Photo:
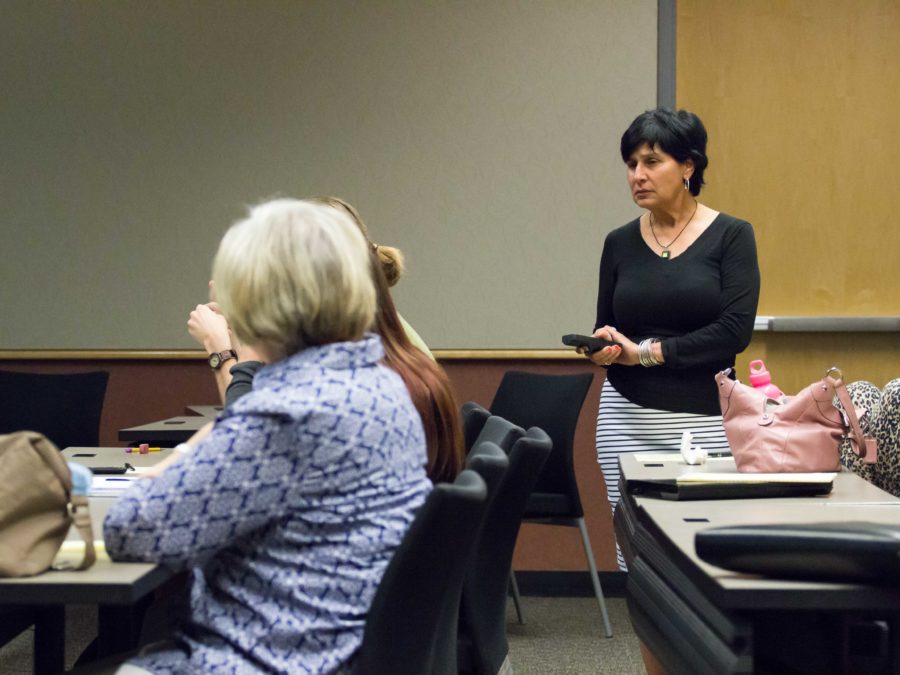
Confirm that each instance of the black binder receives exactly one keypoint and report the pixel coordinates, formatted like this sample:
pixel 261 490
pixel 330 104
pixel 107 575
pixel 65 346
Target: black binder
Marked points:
pixel 839 551
pixel 732 486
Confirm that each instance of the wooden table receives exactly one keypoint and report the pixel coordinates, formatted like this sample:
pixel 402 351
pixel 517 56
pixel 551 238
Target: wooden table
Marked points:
pixel 93 457
pixel 698 618
pixel 169 431
pixel 205 410
pixel 121 591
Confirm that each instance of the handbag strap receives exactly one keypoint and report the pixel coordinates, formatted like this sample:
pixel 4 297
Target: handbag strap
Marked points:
pixel 81 517
pixel 866 446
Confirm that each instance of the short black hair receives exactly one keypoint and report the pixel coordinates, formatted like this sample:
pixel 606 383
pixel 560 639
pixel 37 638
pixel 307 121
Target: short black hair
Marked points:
pixel 680 134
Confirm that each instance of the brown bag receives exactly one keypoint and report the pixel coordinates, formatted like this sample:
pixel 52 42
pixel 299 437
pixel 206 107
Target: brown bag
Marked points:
pixel 37 506
pixel 801 434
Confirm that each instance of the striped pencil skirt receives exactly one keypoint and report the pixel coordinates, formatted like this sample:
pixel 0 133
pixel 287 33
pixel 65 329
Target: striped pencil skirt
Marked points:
pixel 624 427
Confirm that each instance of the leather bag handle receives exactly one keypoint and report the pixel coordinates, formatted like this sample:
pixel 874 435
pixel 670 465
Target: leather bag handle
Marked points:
pixel 865 446
pixel 81 517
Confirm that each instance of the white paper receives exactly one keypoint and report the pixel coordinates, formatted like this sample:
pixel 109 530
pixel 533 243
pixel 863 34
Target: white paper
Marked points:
pixel 674 456
pixel 114 485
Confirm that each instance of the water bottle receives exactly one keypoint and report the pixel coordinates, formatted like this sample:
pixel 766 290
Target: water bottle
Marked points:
pixel 81 479
pixel 760 379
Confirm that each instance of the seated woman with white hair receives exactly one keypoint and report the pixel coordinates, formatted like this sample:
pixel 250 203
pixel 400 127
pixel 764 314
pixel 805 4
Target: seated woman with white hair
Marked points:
pixel 288 510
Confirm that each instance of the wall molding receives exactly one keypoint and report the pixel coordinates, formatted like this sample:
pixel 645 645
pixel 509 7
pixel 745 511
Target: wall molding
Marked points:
pixel 199 355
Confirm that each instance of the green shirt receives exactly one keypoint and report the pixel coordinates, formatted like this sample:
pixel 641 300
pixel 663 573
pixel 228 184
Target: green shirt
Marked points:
pixel 414 337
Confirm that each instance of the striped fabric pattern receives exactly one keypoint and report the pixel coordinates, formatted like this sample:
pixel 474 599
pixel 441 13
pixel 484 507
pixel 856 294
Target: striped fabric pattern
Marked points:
pixel 625 427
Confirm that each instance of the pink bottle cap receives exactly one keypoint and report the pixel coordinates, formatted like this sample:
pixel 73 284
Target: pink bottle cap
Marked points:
pixel 759 376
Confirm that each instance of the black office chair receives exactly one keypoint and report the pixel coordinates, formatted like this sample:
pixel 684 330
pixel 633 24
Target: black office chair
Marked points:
pixel 65 408
pixel 483 647
pixel 499 431
pixel 422 583
pixel 491 463
pixel 503 433
pixel 474 416
pixel 553 403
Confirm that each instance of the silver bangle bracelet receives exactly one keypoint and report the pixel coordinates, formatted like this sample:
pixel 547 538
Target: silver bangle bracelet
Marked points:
pixel 642 354
pixel 645 353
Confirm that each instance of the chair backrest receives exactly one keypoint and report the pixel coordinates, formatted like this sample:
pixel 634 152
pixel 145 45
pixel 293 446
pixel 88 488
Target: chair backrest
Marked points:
pixel 65 408
pixel 474 415
pixel 491 463
pixel 552 403
pixel 423 582
pixel 483 613
pixel 499 431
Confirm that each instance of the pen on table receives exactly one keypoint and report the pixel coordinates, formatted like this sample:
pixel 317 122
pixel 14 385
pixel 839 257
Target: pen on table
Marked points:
pixel 143 450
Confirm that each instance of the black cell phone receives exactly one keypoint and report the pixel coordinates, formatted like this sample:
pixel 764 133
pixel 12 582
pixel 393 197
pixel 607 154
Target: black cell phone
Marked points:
pixel 590 343
pixel 111 470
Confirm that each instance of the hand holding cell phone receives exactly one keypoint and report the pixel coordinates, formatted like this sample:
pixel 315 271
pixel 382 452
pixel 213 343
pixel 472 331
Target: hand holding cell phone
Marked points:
pixel 588 343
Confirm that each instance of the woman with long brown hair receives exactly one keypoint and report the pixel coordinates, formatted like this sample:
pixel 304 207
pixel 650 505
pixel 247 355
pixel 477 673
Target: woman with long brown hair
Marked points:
pixel 405 352
pixel 428 384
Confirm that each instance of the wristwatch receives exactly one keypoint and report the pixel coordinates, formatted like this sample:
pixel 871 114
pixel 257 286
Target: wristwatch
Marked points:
pixel 216 359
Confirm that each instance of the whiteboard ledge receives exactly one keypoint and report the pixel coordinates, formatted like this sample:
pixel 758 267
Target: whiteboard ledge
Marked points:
pixel 198 355
pixel 836 324
pixel 102 354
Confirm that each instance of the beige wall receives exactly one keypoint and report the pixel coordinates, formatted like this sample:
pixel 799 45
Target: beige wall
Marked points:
pixel 480 137
pixel 767 80
pixel 801 102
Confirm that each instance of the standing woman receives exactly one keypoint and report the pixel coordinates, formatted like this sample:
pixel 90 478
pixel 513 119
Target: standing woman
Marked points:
pixel 679 287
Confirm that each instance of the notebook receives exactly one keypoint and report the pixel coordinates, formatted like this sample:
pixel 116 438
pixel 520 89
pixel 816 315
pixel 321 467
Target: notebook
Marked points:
pixel 703 485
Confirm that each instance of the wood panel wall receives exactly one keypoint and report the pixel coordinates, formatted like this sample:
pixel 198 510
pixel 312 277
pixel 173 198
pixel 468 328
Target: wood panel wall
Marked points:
pixel 145 390
pixel 801 100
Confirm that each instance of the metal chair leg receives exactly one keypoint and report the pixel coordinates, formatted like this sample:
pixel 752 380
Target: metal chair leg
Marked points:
pixel 595 577
pixel 517 600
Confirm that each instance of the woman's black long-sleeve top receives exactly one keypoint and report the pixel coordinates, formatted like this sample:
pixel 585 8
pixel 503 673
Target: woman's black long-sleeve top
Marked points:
pixel 701 304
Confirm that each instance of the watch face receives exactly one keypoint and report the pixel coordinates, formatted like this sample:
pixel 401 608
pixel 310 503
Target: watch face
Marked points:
pixel 215 360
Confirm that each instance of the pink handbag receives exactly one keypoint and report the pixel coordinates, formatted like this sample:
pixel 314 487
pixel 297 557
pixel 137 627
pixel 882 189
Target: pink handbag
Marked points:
pixel 801 434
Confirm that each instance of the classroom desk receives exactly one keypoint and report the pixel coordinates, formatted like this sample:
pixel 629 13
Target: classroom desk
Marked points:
pixel 205 410
pixel 117 589
pixel 163 432
pixel 92 457
pixel 120 590
pixel 698 618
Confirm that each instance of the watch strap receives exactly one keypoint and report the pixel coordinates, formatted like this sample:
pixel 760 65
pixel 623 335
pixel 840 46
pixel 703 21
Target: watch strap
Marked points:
pixel 216 359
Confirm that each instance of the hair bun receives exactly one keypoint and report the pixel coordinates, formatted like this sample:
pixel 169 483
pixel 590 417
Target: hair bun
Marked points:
pixel 391 260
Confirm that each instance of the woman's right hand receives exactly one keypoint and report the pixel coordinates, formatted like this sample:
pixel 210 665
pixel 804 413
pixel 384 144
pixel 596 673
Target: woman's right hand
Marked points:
pixel 627 354
pixel 209 328
pixel 608 355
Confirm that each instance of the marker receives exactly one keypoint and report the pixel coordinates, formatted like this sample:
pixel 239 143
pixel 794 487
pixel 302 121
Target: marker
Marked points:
pixel 143 451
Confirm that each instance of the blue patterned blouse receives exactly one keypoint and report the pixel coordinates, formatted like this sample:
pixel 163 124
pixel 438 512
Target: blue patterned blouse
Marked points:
pixel 286 515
